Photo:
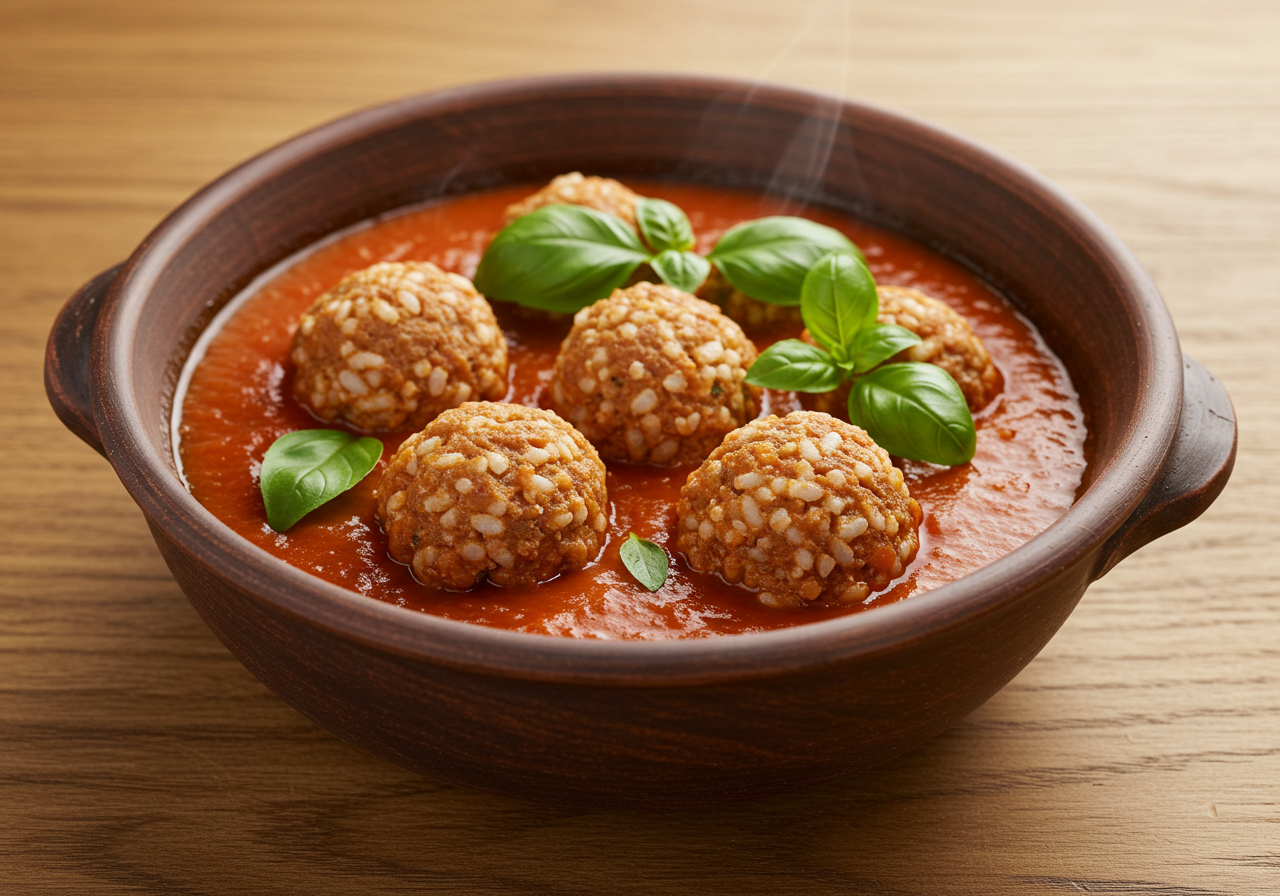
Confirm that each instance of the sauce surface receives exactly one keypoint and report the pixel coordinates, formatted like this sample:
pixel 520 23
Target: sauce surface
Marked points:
pixel 1029 463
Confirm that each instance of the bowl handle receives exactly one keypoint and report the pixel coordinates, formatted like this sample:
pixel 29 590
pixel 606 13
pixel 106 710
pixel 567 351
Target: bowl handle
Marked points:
pixel 1194 472
pixel 67 380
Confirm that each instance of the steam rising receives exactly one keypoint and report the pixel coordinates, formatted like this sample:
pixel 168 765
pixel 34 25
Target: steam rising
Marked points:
pixel 797 175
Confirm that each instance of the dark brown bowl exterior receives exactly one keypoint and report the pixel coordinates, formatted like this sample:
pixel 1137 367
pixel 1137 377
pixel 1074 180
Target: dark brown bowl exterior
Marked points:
pixel 681 723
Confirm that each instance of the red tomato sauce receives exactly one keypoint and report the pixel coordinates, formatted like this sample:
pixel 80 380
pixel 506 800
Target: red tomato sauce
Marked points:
pixel 1029 462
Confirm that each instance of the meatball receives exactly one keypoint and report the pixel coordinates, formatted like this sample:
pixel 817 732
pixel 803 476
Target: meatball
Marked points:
pixel 601 193
pixel 753 314
pixel 804 509
pixel 653 375
pixel 392 346
pixel 947 341
pixel 499 489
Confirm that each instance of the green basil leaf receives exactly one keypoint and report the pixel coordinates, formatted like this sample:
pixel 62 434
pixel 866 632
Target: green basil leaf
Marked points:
pixel 646 561
pixel 795 365
pixel 664 224
pixel 559 258
pixel 304 469
pixel 837 300
pixel 768 258
pixel 878 343
pixel 683 270
pixel 914 410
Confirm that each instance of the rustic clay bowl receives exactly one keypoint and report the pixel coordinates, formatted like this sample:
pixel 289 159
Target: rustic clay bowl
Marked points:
pixel 688 722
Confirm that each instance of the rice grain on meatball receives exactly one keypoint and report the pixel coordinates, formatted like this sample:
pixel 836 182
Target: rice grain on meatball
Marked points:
pixel 393 345
pixel 502 490
pixel 653 375
pixel 803 509
pixel 601 193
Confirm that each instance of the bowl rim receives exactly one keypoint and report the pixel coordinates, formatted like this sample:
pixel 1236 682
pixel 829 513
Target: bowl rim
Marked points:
pixel 1110 497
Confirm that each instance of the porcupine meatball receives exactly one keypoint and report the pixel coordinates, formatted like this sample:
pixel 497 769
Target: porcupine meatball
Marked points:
pixel 947 341
pixel 502 490
pixel 804 509
pixel 753 314
pixel 653 375
pixel 601 193
pixel 392 346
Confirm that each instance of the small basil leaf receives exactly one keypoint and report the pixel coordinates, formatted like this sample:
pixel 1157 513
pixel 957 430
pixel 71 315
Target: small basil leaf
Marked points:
pixel 683 270
pixel 559 258
pixel 837 300
pixel 304 469
pixel 916 411
pixel 878 343
pixel 646 561
pixel 768 258
pixel 795 365
pixel 664 224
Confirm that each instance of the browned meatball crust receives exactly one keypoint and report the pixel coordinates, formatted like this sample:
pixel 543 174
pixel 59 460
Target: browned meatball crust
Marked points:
pixel 502 490
pixel 601 193
pixel 804 509
pixel 392 346
pixel 653 375
pixel 947 341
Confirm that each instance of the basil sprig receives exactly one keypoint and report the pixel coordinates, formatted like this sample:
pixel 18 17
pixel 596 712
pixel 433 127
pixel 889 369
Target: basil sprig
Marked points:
pixel 564 257
pixel 304 469
pixel 796 366
pixel 911 409
pixel 914 410
pixel 768 259
pixel 559 258
pixel 646 561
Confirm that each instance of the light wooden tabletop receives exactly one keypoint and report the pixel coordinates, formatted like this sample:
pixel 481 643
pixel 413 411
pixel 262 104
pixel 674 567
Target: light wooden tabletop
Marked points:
pixel 1140 753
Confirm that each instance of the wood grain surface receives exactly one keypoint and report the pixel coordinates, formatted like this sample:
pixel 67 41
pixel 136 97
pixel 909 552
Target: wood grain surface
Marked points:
pixel 1140 753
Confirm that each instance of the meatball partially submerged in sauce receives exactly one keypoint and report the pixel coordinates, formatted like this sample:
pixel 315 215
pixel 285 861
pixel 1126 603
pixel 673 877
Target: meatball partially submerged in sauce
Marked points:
pixel 753 314
pixel 947 340
pixel 803 509
pixel 393 345
pixel 601 193
pixel 502 490
pixel 653 375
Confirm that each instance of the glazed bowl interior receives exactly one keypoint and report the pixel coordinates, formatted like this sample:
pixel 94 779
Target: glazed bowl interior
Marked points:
pixel 1083 290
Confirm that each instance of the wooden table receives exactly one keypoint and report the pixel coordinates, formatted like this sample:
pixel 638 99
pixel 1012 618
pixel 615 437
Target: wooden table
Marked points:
pixel 1140 753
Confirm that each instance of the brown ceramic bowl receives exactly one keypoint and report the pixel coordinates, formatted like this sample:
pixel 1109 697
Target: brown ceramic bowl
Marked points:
pixel 683 722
